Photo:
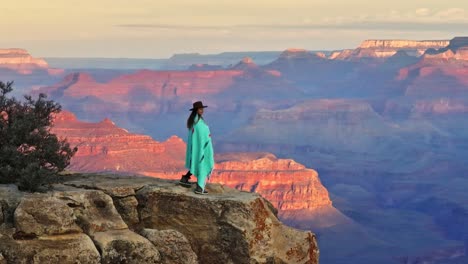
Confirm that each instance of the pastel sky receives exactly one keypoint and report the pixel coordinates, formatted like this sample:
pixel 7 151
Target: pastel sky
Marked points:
pixel 160 28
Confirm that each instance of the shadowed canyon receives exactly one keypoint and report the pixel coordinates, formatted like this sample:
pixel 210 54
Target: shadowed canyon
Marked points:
pixel 366 147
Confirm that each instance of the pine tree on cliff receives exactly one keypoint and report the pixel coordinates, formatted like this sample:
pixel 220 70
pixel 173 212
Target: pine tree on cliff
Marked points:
pixel 30 156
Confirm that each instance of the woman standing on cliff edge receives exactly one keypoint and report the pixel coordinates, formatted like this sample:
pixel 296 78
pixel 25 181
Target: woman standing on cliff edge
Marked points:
pixel 199 154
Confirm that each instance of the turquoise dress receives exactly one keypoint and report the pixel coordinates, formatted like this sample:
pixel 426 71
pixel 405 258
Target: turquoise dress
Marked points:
pixel 199 154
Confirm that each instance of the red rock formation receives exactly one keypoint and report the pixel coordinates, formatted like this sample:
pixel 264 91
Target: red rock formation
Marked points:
pixel 287 184
pixel 141 91
pixel 22 62
pixel 105 147
pixel 159 83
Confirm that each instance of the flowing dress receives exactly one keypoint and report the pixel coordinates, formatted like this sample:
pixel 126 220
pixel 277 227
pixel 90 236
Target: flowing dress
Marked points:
pixel 199 153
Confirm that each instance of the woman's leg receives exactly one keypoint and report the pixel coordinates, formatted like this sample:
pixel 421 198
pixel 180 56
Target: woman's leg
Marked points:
pixel 184 181
pixel 201 182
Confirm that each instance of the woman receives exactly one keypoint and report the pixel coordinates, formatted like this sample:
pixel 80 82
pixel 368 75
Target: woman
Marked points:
pixel 199 154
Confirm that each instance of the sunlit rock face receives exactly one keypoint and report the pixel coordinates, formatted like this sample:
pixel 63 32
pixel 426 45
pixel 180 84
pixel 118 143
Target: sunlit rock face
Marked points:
pixel 103 146
pixel 167 84
pixel 382 49
pixel 20 61
pixel 286 183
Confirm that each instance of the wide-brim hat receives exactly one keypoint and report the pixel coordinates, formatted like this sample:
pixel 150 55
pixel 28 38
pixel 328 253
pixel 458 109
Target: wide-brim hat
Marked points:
pixel 197 105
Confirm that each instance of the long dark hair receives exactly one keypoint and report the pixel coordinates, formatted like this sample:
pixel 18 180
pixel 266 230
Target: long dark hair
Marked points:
pixel 191 118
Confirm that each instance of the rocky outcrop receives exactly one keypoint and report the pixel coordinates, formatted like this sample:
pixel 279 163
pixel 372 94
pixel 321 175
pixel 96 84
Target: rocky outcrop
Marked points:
pixel 340 55
pixel 399 44
pixel 173 224
pixel 21 61
pixel 20 56
pixel 296 191
pixel 382 49
pixel 246 63
pixel 294 53
pixel 458 43
pixel 456 51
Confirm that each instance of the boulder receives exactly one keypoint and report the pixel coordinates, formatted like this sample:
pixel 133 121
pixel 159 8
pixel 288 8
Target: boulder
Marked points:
pixel 42 214
pixel 124 246
pixel 173 246
pixel 58 249
pixel 10 197
pixel 94 210
pixel 127 208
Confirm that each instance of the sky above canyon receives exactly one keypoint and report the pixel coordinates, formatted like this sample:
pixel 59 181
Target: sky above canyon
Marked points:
pixel 160 28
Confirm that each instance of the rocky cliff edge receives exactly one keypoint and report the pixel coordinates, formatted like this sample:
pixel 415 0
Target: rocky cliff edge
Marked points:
pixel 117 219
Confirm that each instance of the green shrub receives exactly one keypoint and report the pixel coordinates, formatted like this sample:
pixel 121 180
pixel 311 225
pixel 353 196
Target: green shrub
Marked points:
pixel 30 155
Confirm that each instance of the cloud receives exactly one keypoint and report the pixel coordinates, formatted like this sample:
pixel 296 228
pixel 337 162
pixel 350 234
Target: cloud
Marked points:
pixel 452 14
pixel 169 26
pixel 426 15
pixel 423 11
pixel 423 21
pixel 420 19
pixel 363 25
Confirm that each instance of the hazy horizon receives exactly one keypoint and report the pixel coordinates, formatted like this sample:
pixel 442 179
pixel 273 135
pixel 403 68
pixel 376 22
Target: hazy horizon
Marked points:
pixel 151 29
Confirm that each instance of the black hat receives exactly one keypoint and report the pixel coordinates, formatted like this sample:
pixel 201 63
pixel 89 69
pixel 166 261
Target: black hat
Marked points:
pixel 197 105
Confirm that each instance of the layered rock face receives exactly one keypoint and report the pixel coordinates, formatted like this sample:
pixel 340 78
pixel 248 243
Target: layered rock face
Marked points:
pixel 111 219
pixel 296 191
pixel 457 50
pixel 22 62
pixel 286 183
pixel 105 147
pixel 381 49
pixel 165 84
pixel 399 44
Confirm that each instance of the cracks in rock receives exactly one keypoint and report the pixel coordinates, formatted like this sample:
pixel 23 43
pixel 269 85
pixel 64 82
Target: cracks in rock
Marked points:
pixel 20 235
pixel 87 187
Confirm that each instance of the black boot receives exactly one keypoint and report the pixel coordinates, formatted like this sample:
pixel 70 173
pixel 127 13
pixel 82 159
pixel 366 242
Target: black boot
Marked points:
pixel 199 190
pixel 184 181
